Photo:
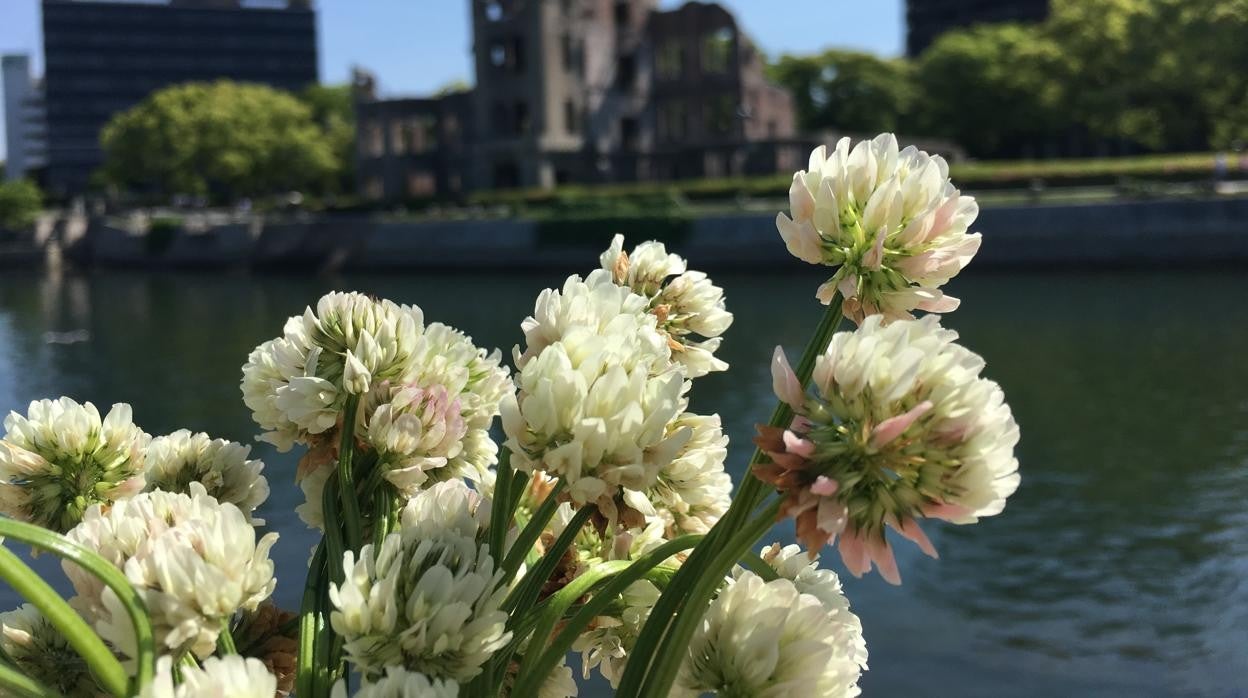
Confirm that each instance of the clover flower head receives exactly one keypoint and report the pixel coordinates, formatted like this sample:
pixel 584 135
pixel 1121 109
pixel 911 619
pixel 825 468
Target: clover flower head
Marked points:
pixel 685 303
pixel 60 458
pixel 38 650
pixel 428 599
pixel 419 430
pixel 693 490
pixel 222 467
pixel 769 640
pixel 888 220
pixel 194 561
pixel 899 426
pixel 233 676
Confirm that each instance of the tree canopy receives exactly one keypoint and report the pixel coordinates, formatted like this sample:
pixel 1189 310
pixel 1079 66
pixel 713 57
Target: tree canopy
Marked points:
pixel 1147 74
pixel 223 139
pixel 20 202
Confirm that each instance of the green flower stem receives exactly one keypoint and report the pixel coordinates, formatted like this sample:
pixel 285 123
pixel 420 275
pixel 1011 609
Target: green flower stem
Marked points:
pixel 225 641
pixel 525 593
pixel 333 531
pixel 531 532
pixel 749 495
pixel 534 671
pixel 501 506
pixel 346 478
pixel 15 683
pixel 72 627
pixel 383 507
pixel 671 653
pixel 752 562
pixel 145 654
pixel 308 611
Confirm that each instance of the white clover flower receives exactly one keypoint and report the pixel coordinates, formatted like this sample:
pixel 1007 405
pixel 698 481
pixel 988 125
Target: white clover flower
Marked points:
pixel 900 426
pixel 296 385
pixel 768 640
pixel 193 560
pixel 792 563
pixel 222 467
pixel 312 510
pixel 606 644
pixel 233 676
pixel 400 683
pixel 693 490
pixel 429 598
pixel 595 307
pixel 476 379
pixel 60 458
pixel 38 650
pixel 559 683
pixel 685 303
pixel 889 221
pixel 583 416
pixel 418 430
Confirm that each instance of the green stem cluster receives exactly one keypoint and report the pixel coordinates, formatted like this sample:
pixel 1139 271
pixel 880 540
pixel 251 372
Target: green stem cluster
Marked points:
pixel 659 650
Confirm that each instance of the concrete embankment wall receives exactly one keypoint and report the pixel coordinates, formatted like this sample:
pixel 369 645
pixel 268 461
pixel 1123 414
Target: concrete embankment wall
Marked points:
pixel 1116 234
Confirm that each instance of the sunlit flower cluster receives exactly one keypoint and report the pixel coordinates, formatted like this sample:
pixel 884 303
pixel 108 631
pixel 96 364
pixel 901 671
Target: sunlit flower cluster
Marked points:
pixel 428 599
pixel 769 640
pixel 685 303
pixel 194 561
pixel 223 467
pixel 219 677
pixel 417 431
pixel 693 490
pixel 60 458
pixel 900 426
pixel 596 392
pixel 889 221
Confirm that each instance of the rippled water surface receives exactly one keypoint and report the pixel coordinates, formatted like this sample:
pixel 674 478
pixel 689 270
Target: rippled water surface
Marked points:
pixel 1119 567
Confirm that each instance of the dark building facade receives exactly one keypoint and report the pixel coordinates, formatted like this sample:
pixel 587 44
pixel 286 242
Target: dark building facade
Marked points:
pixel 104 57
pixel 928 19
pixel 589 91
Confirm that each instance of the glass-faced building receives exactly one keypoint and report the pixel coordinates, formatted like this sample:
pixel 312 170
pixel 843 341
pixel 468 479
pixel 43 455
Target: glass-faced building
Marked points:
pixel 104 57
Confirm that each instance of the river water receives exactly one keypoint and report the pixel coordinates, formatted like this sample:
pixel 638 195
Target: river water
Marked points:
pixel 1120 567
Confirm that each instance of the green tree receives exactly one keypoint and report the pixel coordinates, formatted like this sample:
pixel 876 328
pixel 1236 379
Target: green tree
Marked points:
pixel 333 109
pixel 20 203
pixel 991 88
pixel 224 139
pixel 847 90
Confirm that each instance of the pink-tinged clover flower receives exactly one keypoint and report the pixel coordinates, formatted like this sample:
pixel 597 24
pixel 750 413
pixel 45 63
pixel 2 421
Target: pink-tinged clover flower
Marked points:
pixel 888 220
pixel 899 427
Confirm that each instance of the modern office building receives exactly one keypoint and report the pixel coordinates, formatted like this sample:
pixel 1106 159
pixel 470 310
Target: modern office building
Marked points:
pixel 585 91
pixel 24 129
pixel 104 57
pixel 928 19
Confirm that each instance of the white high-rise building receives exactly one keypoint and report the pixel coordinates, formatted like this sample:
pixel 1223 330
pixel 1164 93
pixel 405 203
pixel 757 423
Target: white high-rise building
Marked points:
pixel 25 129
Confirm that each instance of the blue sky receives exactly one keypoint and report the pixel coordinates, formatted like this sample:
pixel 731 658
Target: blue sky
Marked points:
pixel 415 46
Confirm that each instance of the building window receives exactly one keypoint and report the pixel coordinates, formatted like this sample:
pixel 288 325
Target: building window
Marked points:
pixel 522 122
pixel 500 119
pixel 720 112
pixel 421 185
pixel 493 10
pixel 517 54
pixel 450 128
pixel 374 140
pixel 673 120
pixel 626 72
pixel 621 14
pixel 630 133
pixel 569 53
pixel 498 54
pixel 397 141
pixel 373 188
pixel 717 51
pixel 713 165
pixel 670 60
pixel 570 121
pixel 422 134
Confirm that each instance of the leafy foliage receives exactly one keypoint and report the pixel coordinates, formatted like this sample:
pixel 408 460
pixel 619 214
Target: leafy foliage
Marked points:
pixel 20 202
pixel 223 139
